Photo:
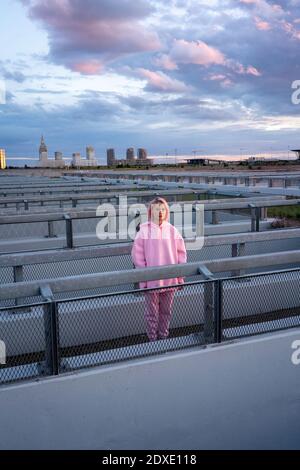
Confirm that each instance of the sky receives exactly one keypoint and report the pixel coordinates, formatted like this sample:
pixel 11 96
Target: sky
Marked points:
pixel 172 76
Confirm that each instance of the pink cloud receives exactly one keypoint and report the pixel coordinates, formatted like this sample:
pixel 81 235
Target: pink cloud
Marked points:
pixel 86 33
pixel 274 16
pixel 88 68
pixel 200 53
pixel 191 52
pixel 159 81
pixel 264 8
pixel 290 29
pixel 261 24
pixel 253 71
pixel 165 62
pixel 225 82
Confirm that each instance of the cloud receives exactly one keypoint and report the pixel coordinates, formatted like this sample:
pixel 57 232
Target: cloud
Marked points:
pixel 199 53
pixel 262 25
pixel 13 75
pixel 92 67
pixel 231 62
pixel 159 81
pixel 190 52
pixel 269 15
pixel 86 34
pixel 165 62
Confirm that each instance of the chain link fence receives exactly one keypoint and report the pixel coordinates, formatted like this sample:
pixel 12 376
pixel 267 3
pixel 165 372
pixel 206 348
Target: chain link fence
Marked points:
pixel 260 303
pixel 22 331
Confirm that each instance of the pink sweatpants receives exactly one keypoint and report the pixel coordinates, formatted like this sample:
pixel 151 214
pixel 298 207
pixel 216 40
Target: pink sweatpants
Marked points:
pixel 158 313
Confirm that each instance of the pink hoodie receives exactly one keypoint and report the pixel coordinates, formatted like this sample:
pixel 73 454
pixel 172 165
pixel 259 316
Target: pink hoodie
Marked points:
pixel 158 245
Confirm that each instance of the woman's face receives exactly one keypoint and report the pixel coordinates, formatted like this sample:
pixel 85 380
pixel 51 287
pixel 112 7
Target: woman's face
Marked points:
pixel 159 213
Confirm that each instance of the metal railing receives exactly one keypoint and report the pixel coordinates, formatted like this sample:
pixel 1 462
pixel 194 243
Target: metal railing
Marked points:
pixel 18 193
pixel 113 278
pixel 257 212
pixel 95 196
pixel 55 337
pixel 206 178
pixel 13 267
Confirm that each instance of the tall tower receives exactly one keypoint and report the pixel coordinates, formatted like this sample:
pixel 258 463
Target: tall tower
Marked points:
pixel 2 159
pixel 58 156
pixel 142 154
pixel 76 159
pixel 111 158
pixel 90 153
pixel 130 154
pixel 43 151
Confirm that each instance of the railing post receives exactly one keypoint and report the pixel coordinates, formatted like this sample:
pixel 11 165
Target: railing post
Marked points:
pixel 234 253
pixel 218 285
pixel 214 218
pixel 208 312
pixel 18 277
pixel 257 218
pixel 69 231
pixel 253 217
pixel 208 328
pixel 52 362
pixel 51 233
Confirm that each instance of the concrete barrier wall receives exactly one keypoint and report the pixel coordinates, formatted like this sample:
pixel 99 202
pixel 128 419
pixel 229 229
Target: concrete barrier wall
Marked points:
pixel 244 395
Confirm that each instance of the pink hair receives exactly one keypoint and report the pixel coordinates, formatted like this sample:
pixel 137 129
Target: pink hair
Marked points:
pixel 159 200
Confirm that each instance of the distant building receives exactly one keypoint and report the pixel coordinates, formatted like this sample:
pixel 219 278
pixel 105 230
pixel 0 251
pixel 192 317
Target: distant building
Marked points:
pixel 90 159
pixel 2 159
pixel 130 158
pixel 45 162
pixel 130 154
pixel 43 151
pixel 111 157
pixel 90 153
pixel 142 154
pixel 58 156
pixel 297 152
pixel 135 162
pixel 76 159
pixel 201 161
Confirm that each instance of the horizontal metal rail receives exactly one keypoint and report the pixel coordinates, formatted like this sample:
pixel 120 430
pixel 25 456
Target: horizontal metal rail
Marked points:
pixel 42 184
pixel 42 209
pixel 50 256
pixel 99 195
pixel 217 175
pixel 77 189
pixel 85 214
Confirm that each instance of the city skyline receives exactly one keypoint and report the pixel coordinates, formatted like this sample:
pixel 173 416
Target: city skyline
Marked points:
pixel 168 76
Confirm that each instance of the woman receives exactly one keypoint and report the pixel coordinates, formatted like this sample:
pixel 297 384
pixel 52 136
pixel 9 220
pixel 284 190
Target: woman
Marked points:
pixel 158 243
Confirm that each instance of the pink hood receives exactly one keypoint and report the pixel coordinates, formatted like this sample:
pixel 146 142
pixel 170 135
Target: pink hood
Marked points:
pixel 162 201
pixel 158 245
